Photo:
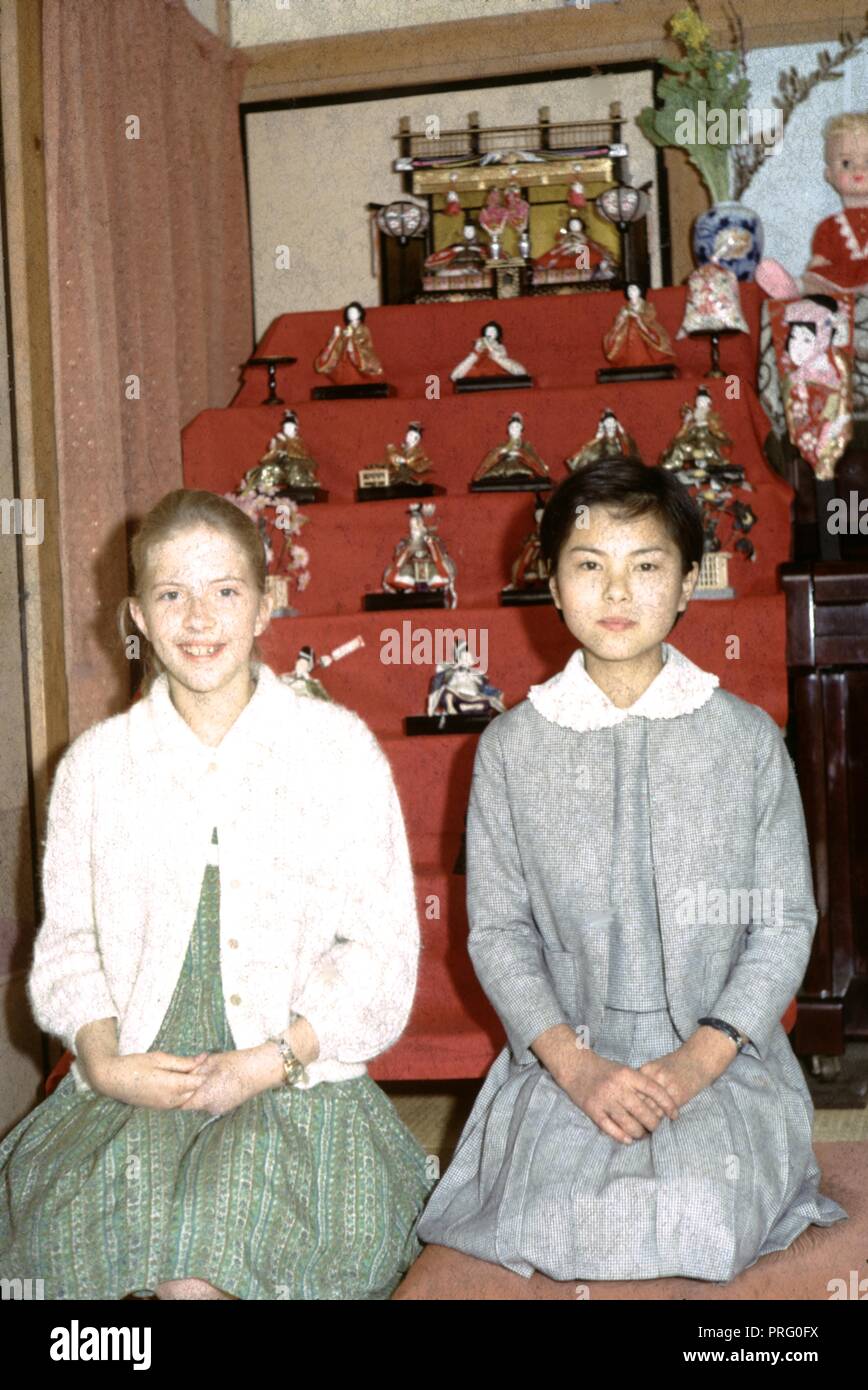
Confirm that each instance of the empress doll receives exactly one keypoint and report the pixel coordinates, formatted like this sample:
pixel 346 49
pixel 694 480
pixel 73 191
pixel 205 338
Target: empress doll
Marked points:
pixel 574 250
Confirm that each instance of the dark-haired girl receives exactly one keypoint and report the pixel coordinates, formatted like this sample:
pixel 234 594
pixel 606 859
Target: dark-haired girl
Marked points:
pixel 641 915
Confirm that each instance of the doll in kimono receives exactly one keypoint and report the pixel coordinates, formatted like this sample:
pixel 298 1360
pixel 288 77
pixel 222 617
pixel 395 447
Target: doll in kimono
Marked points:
pixel 459 687
pixel 637 338
pixel 407 463
pixel 515 459
pixel 220 957
pixel 302 681
pixel 349 357
pixel 641 912
pixel 529 570
pixel 574 250
pixel 421 562
pixel 611 441
pixel 701 439
pixel 816 383
pixel 287 462
pixel 465 257
pixel 488 357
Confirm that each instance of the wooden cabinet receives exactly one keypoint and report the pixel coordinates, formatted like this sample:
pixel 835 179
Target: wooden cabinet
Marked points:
pixel 827 657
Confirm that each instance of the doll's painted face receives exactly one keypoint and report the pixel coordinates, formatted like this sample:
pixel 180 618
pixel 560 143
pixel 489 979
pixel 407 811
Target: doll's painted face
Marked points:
pixel 200 609
pixel 610 426
pixel 491 333
pixel 619 584
pixel 515 430
pixel 634 294
pixel 847 166
pixel 801 343
pixel 353 315
pixel 290 428
pixel 412 438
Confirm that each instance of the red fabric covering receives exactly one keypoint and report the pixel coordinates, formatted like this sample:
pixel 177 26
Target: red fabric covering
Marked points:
pixel 453 1031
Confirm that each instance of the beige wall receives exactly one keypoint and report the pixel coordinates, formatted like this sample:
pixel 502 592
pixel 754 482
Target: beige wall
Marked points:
pixel 312 170
pixel 276 21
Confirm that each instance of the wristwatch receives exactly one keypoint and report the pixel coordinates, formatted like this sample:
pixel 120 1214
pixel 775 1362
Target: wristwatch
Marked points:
pixel 740 1039
pixel 293 1069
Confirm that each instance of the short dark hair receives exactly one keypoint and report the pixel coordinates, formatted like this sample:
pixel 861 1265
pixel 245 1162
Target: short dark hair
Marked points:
pixel 633 488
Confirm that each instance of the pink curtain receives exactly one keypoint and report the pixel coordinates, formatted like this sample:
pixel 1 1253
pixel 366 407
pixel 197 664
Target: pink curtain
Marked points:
pixel 151 299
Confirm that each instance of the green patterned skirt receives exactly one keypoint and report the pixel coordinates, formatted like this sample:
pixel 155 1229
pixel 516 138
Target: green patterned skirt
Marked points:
pixel 293 1195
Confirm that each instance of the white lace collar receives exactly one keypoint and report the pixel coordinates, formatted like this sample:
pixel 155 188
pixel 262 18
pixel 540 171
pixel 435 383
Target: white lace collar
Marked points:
pixel 574 701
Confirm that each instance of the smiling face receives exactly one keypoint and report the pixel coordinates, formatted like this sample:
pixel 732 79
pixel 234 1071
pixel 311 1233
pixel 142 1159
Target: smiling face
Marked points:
pixel 201 610
pixel 619 584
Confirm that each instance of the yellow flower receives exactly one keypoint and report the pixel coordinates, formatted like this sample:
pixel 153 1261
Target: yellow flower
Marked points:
pixel 687 27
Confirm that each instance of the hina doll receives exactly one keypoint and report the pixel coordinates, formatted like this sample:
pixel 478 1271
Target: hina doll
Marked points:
pixel 459 687
pixel 465 257
pixel 610 442
pixel 302 681
pixel 286 464
pixel 494 218
pixel 421 563
pixel 348 357
pixel 514 461
pixel 574 250
pixel 816 383
pixel 699 445
pixel 637 338
pixel 488 358
pixel 409 463
pixel 529 573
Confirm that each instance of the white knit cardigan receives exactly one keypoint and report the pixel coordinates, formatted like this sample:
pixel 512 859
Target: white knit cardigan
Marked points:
pixel 317 903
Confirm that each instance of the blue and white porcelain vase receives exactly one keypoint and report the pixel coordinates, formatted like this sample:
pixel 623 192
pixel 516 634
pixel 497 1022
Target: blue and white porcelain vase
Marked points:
pixel 733 235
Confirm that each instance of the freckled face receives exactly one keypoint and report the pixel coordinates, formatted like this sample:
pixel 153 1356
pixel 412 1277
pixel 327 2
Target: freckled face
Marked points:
pixel 619 584
pixel 201 609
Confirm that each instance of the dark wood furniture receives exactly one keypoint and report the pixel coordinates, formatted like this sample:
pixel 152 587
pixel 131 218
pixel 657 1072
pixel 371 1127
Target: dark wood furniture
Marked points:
pixel 827 656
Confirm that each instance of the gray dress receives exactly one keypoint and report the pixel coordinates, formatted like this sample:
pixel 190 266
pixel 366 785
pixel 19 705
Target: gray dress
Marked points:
pixel 534 1184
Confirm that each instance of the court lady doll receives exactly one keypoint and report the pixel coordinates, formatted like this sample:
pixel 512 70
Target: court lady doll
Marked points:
pixel 641 914
pixel 349 357
pixel 223 956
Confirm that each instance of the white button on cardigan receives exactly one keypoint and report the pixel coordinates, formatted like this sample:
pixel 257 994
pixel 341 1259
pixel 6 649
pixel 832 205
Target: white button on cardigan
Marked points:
pixel 317 896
